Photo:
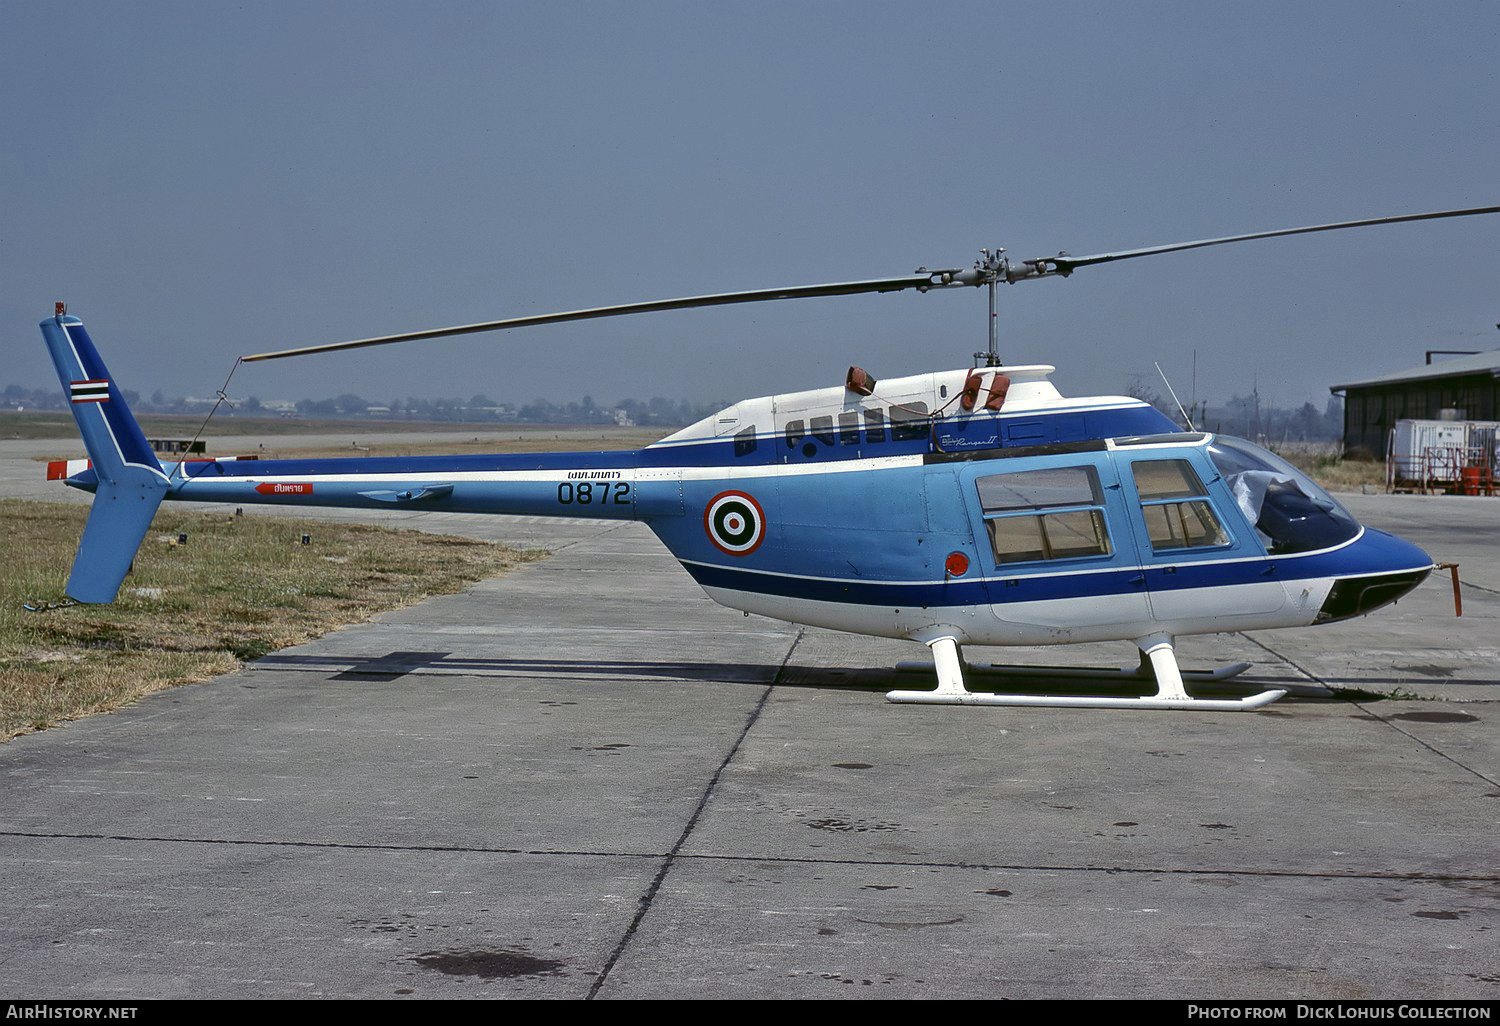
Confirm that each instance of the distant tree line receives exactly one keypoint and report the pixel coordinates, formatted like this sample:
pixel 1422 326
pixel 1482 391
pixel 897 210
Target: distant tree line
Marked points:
pixel 657 412
pixel 1251 416
pixel 1247 415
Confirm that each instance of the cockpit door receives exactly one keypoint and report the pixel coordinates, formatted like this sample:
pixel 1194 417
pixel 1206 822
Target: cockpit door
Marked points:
pixel 1201 561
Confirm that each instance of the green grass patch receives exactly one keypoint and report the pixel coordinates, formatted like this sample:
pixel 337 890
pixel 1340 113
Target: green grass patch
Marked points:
pixel 240 588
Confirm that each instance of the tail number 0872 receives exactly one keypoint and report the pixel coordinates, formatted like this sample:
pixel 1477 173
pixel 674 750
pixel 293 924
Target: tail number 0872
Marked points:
pixel 585 493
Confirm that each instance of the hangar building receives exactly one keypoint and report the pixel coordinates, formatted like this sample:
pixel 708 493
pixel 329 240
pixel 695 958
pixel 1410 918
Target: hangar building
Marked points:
pixel 1468 384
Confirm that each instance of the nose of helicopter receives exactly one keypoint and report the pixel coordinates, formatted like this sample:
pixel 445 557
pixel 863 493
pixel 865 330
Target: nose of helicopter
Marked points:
pixel 1381 569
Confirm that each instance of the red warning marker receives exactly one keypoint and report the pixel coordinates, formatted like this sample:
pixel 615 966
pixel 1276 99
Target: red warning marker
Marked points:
pixel 284 488
pixel 61 470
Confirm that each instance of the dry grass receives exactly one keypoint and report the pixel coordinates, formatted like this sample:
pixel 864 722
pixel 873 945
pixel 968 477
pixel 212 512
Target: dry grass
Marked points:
pixel 240 588
pixel 1324 464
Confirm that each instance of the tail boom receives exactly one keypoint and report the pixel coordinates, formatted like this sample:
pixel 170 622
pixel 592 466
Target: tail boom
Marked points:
pixel 129 483
pixel 597 486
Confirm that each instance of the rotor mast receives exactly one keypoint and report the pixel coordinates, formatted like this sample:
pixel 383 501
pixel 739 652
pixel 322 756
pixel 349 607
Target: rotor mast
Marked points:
pixel 989 270
pixel 990 265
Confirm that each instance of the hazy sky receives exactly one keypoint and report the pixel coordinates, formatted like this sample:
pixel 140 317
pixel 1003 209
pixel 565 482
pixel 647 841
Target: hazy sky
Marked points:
pixel 200 180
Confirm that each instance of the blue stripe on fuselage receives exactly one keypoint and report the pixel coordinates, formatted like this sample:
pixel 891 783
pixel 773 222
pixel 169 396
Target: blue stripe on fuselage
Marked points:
pixel 908 595
pixel 1375 552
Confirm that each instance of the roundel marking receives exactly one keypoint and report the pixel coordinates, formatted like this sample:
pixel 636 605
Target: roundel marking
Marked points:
pixel 735 523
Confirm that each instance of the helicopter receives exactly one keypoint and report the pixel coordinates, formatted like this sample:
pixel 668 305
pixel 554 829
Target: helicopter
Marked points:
pixel 976 506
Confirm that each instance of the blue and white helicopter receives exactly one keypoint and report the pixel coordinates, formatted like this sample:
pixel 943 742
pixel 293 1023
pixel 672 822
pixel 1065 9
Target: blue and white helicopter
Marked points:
pixel 964 507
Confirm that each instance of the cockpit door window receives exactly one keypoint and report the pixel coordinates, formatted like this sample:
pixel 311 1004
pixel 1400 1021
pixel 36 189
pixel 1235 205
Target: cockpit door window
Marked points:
pixel 1175 506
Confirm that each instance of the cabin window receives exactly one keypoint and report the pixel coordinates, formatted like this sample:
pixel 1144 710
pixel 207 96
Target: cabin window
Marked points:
pixel 822 429
pixel 1175 506
pixel 1072 534
pixel 744 441
pixel 874 426
pixel 1041 515
pixel 849 428
pixel 909 422
pixel 1030 489
pixel 796 430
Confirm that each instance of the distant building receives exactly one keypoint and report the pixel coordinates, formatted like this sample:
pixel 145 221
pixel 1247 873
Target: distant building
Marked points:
pixel 1469 385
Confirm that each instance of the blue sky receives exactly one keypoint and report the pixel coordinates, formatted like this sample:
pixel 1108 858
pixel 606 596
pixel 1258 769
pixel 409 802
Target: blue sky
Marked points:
pixel 201 180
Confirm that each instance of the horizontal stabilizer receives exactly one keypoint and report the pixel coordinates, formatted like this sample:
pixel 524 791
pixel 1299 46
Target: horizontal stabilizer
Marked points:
pixel 61 470
pixel 416 494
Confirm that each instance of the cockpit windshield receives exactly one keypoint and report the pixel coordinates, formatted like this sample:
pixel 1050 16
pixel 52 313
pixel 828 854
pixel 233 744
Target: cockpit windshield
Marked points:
pixel 1289 511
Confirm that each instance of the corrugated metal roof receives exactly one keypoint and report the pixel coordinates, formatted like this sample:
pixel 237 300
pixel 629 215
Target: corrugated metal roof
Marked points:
pixel 1480 363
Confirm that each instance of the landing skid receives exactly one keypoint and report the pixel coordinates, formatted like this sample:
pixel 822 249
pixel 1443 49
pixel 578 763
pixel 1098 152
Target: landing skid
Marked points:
pixel 1024 671
pixel 1158 660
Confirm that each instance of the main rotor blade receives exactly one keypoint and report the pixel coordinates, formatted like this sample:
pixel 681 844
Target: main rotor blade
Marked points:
pixel 1065 264
pixel 991 270
pixel 920 280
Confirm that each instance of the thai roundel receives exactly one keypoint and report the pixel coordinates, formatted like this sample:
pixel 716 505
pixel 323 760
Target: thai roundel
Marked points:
pixel 735 523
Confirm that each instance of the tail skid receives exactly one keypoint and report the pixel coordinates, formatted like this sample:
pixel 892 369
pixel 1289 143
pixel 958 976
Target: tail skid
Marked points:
pixel 131 481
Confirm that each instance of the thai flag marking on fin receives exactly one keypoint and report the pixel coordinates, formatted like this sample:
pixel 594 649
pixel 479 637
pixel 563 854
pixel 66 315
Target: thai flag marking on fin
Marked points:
pixel 90 390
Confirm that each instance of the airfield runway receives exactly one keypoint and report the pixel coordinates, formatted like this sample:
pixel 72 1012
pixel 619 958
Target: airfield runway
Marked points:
pixel 586 779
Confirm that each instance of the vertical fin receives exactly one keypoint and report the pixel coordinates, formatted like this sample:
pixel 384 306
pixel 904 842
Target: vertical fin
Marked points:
pixel 131 481
pixel 110 432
